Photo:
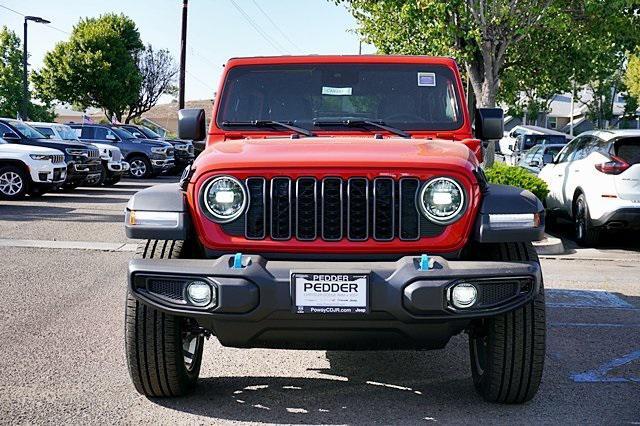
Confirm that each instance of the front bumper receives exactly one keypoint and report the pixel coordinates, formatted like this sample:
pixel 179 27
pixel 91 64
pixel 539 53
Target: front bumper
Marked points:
pixel 165 164
pixel 408 307
pixel 83 171
pixel 117 167
pixel 48 173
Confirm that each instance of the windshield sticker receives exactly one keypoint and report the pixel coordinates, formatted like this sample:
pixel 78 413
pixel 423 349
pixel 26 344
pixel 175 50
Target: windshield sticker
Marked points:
pixel 336 91
pixel 427 79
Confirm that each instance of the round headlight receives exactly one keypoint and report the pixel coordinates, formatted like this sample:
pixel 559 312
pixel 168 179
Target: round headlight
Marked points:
pixel 224 198
pixel 442 200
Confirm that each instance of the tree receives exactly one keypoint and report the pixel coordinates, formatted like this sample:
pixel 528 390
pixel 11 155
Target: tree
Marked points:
pixel 11 80
pixel 478 33
pixel 158 71
pixel 96 67
pixel 632 78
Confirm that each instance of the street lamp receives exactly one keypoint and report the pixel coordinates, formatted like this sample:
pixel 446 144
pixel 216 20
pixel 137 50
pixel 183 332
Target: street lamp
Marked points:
pixel 25 83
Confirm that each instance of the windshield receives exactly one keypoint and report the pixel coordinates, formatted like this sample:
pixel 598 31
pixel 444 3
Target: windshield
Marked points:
pixel 147 132
pixel 67 133
pixel 404 96
pixel 27 131
pixel 122 133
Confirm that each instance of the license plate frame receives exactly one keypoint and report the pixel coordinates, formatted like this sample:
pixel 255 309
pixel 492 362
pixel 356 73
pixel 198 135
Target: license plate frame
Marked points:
pixel 330 299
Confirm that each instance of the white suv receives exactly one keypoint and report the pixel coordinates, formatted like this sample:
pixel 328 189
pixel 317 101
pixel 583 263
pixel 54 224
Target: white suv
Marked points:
pixel 27 169
pixel 113 165
pixel 595 180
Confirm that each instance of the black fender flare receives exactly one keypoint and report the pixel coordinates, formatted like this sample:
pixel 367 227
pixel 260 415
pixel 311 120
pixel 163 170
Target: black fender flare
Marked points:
pixel 505 200
pixel 164 198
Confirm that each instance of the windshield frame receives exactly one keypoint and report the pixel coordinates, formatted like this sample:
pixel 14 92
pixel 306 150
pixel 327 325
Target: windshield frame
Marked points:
pixel 451 72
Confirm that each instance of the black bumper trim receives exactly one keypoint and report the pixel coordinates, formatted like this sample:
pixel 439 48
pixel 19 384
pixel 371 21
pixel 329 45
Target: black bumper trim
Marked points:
pixel 264 322
pixel 628 218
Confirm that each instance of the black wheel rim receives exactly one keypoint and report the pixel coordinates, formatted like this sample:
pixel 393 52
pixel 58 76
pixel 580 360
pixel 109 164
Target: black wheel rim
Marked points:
pixel 480 353
pixel 191 344
pixel 581 223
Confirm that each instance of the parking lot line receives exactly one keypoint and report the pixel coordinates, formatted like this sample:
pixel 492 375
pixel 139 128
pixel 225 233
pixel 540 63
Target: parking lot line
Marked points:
pixel 72 245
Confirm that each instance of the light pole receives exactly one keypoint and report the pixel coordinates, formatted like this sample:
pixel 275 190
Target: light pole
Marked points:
pixel 183 54
pixel 25 82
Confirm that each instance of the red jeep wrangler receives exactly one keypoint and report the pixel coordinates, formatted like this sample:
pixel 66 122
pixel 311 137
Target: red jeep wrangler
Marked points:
pixel 339 204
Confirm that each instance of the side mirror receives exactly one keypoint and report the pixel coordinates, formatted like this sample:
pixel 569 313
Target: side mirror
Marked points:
pixel 111 138
pixel 534 163
pixel 191 124
pixel 547 158
pixel 489 123
pixel 10 136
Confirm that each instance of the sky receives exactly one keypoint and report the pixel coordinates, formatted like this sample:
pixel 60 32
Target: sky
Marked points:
pixel 217 30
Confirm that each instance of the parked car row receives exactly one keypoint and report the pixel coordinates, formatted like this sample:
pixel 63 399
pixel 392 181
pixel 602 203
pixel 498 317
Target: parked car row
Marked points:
pixel 594 181
pixel 39 157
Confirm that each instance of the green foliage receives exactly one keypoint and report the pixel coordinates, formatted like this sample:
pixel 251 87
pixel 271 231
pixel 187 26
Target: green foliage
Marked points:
pixel 10 73
pixel 11 80
pixel 632 78
pixel 517 176
pixel 537 47
pixel 96 66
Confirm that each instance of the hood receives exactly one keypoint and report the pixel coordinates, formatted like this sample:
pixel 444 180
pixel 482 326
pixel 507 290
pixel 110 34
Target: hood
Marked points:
pixel 153 142
pixel 342 152
pixel 59 144
pixel 176 141
pixel 29 149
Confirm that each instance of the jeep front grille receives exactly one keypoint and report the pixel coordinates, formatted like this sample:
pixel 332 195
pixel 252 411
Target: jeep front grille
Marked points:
pixel 332 209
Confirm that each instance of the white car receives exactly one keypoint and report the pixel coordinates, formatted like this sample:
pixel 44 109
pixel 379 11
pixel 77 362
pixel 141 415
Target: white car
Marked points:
pixel 26 169
pixel 595 180
pixel 113 166
pixel 508 144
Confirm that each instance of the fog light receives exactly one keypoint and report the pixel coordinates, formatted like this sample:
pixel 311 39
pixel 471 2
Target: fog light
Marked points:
pixel 199 293
pixel 464 295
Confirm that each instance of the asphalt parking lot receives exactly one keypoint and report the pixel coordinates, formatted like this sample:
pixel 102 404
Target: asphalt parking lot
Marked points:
pixel 63 262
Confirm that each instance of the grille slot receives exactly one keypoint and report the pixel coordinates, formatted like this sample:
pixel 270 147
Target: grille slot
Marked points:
pixel 255 217
pixel 358 209
pixel 384 211
pixel 306 209
pixel 409 215
pixel 281 208
pixel 332 209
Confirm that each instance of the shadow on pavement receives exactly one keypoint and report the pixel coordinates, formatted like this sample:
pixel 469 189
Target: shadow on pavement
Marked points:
pixel 612 239
pixel 584 382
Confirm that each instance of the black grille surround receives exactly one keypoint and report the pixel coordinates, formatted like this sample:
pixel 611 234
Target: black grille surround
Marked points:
pixel 333 209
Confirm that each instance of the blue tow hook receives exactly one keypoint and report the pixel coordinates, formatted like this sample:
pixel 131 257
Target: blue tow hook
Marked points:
pixel 424 262
pixel 237 261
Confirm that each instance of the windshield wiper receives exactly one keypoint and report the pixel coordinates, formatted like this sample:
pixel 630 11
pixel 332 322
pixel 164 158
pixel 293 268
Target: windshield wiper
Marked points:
pixel 359 122
pixel 268 123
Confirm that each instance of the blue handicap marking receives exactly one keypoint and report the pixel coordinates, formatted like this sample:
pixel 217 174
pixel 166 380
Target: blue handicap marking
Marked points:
pixel 558 298
pixel 603 372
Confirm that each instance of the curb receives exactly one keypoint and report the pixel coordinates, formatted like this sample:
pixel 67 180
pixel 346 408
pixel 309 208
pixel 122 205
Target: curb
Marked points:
pixel 549 245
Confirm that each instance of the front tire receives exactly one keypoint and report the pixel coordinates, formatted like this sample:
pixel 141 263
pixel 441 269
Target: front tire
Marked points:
pixel 164 355
pixel 14 183
pixel 586 234
pixel 507 351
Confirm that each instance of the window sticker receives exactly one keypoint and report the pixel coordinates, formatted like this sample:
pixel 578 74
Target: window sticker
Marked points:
pixel 427 79
pixel 337 91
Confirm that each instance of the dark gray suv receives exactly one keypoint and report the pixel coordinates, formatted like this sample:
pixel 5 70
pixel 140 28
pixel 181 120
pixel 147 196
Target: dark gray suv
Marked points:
pixel 147 158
